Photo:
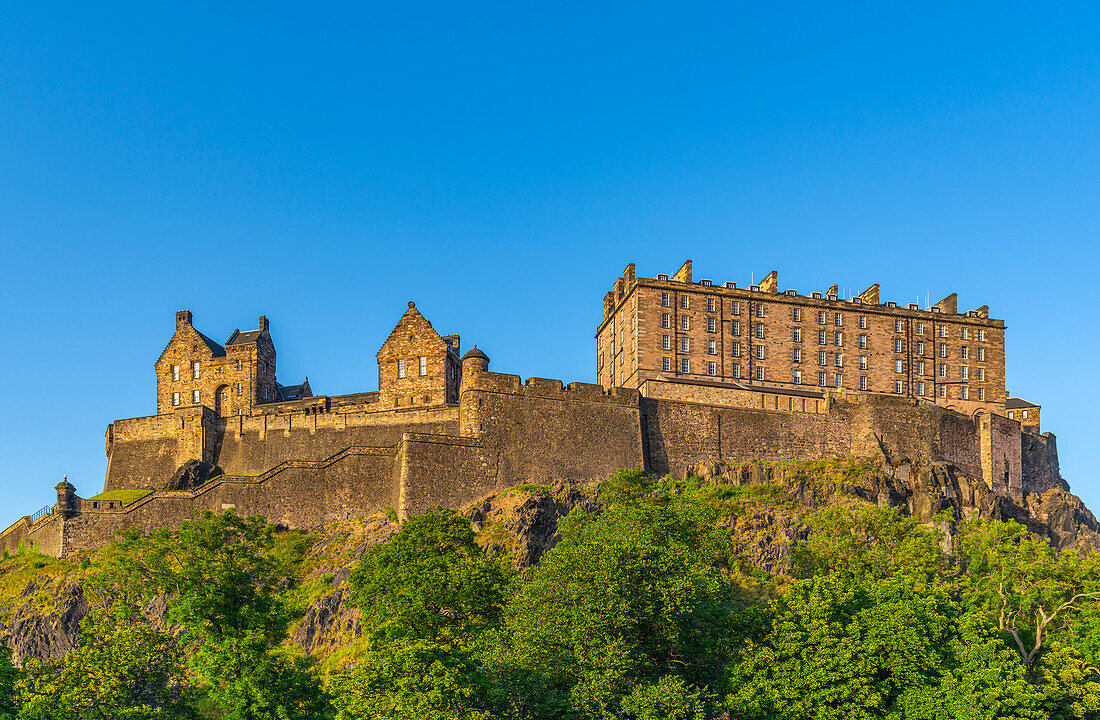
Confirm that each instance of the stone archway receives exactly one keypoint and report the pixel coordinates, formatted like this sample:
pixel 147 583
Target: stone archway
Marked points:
pixel 221 401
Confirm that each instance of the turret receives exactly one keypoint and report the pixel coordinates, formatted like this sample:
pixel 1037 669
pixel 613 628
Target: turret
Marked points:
pixel 66 498
pixel 473 362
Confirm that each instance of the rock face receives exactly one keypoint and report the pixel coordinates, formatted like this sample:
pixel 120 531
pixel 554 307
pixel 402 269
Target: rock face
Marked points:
pixel 191 475
pixel 33 635
pixel 923 493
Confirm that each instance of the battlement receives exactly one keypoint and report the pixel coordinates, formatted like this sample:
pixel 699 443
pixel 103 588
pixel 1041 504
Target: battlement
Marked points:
pixel 551 388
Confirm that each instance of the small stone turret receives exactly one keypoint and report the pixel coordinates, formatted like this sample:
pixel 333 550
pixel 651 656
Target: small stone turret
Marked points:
pixel 473 362
pixel 67 504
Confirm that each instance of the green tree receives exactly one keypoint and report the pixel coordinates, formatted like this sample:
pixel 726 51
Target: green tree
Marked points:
pixel 427 597
pixel 877 650
pixel 430 581
pixel 9 674
pixel 222 574
pixel 1028 588
pixel 124 669
pixel 867 542
pixel 627 597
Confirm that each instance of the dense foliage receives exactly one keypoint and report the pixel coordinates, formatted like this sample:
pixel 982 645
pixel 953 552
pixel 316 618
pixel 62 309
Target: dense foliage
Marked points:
pixel 650 606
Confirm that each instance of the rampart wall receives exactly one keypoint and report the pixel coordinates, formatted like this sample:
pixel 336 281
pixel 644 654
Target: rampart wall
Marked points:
pixel 313 462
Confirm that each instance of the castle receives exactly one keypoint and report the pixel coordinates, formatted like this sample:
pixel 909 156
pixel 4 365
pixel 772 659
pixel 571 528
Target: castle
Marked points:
pixel 688 371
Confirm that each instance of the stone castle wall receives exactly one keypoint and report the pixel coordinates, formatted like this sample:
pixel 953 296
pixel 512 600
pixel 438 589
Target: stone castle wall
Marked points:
pixel 312 462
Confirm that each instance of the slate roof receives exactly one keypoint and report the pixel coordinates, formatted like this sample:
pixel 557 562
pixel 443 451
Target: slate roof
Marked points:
pixel 1017 403
pixel 215 348
pixel 290 392
pixel 248 337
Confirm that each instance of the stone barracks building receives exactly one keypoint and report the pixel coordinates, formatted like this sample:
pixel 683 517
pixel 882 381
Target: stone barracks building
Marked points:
pixel 688 371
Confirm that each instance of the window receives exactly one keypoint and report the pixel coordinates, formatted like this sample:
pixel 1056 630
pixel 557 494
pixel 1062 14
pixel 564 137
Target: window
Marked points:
pixel 735 327
pixel 759 373
pixel 683 322
pixel 666 342
pixel 1011 415
pixel 862 382
pixel 837 319
pixel 735 349
pixel 862 322
pixel 862 342
pixel 238 364
pixel 665 300
pixel 195 396
pixel 1024 414
pixel 821 337
pixel 862 362
pixel 759 309
pixel 838 360
pixel 897 366
pixel 898 387
pixel 942 331
pixel 710 304
pixel 965 372
pixel 664 321
pixel 897 344
pixel 964 352
pixel 981 394
pixel 400 368
pixel 839 380
pixel 239 390
pixel 920 328
pixel 964 333
pixel 684 301
pixel 981 374
pixel 797 335
pixel 897 325
pixel 822 379
pixel 423 365
pixel 195 370
pixel 920 347
pixel 981 354
pixel 981 335
pixel 712 369
pixel 711 324
pixel 964 393
pixel 684 344
pixel 711 347
pixel 735 371
pixel 822 358
pixel 735 307
pixel 941 390
pixel 821 317
pixel 759 330
pixel 942 350
pixel 666 364
pixel 797 377
pixel 175 398
pixel 943 370
pixel 798 354
pixel 759 350
pixel 796 314
pixel 920 388
pixel 838 339
pixel 175 372
pixel 684 367
pixel 920 367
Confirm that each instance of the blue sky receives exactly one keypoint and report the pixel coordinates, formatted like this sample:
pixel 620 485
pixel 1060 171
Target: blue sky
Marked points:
pixel 500 164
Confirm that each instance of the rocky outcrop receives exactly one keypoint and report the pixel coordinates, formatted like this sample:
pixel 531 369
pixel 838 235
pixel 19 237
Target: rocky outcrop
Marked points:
pixel 921 492
pixel 192 474
pixel 37 635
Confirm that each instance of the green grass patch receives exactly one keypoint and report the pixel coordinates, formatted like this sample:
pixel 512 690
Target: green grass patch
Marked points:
pixel 532 488
pixel 124 497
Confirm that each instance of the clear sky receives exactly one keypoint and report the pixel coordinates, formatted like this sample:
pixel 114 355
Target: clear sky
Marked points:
pixel 501 164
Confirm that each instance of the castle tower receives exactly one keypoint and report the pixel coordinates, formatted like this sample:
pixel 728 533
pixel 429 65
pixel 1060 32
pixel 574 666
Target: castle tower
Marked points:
pixel 417 367
pixel 66 498
pixel 473 363
pixel 194 370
